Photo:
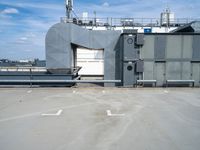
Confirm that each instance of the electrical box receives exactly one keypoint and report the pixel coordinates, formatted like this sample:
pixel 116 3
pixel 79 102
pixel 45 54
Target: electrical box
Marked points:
pixel 140 39
pixel 140 66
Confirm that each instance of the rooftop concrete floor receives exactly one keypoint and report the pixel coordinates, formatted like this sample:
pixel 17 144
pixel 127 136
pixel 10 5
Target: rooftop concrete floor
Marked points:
pixel 99 119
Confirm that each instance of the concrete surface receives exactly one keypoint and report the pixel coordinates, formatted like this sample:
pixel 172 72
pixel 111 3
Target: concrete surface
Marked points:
pixel 80 119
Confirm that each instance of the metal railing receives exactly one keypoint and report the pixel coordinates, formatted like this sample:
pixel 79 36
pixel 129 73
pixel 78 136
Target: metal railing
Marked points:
pixel 33 69
pixel 132 22
pixel 23 69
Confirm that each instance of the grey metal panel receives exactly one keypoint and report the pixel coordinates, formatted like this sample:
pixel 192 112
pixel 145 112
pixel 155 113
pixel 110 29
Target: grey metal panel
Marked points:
pixel 129 74
pixel 186 71
pixel 58 52
pixel 147 50
pixel 187 46
pixel 196 47
pixel 160 73
pixel 160 47
pixel 111 59
pixel 174 46
pixel 33 78
pixel 93 39
pixel 14 77
pixel 140 66
pixel 173 70
pixel 196 73
pixel 51 77
pixel 148 70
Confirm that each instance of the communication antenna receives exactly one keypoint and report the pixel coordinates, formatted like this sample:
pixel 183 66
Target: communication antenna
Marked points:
pixel 69 8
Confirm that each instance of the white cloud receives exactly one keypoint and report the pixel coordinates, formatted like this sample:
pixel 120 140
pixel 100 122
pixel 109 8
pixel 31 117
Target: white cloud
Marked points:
pixel 10 11
pixel 24 38
pixel 31 35
pixel 106 4
pixel 20 42
pixel 38 5
pixel 27 50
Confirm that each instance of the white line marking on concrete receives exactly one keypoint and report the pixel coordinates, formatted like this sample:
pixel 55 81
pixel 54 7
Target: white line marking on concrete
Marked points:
pixel 39 113
pixel 114 115
pixel 30 91
pixel 166 91
pixel 74 92
pixel 57 114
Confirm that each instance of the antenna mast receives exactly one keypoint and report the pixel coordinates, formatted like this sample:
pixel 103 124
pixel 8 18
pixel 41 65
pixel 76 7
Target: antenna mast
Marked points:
pixel 69 8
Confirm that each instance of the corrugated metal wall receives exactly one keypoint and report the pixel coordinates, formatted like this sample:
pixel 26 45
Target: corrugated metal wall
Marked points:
pixel 171 57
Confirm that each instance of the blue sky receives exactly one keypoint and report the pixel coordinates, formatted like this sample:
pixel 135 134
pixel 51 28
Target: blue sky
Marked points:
pixel 24 23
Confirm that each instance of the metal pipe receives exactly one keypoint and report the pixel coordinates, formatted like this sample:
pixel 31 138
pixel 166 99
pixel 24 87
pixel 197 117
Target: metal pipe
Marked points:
pixel 60 81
